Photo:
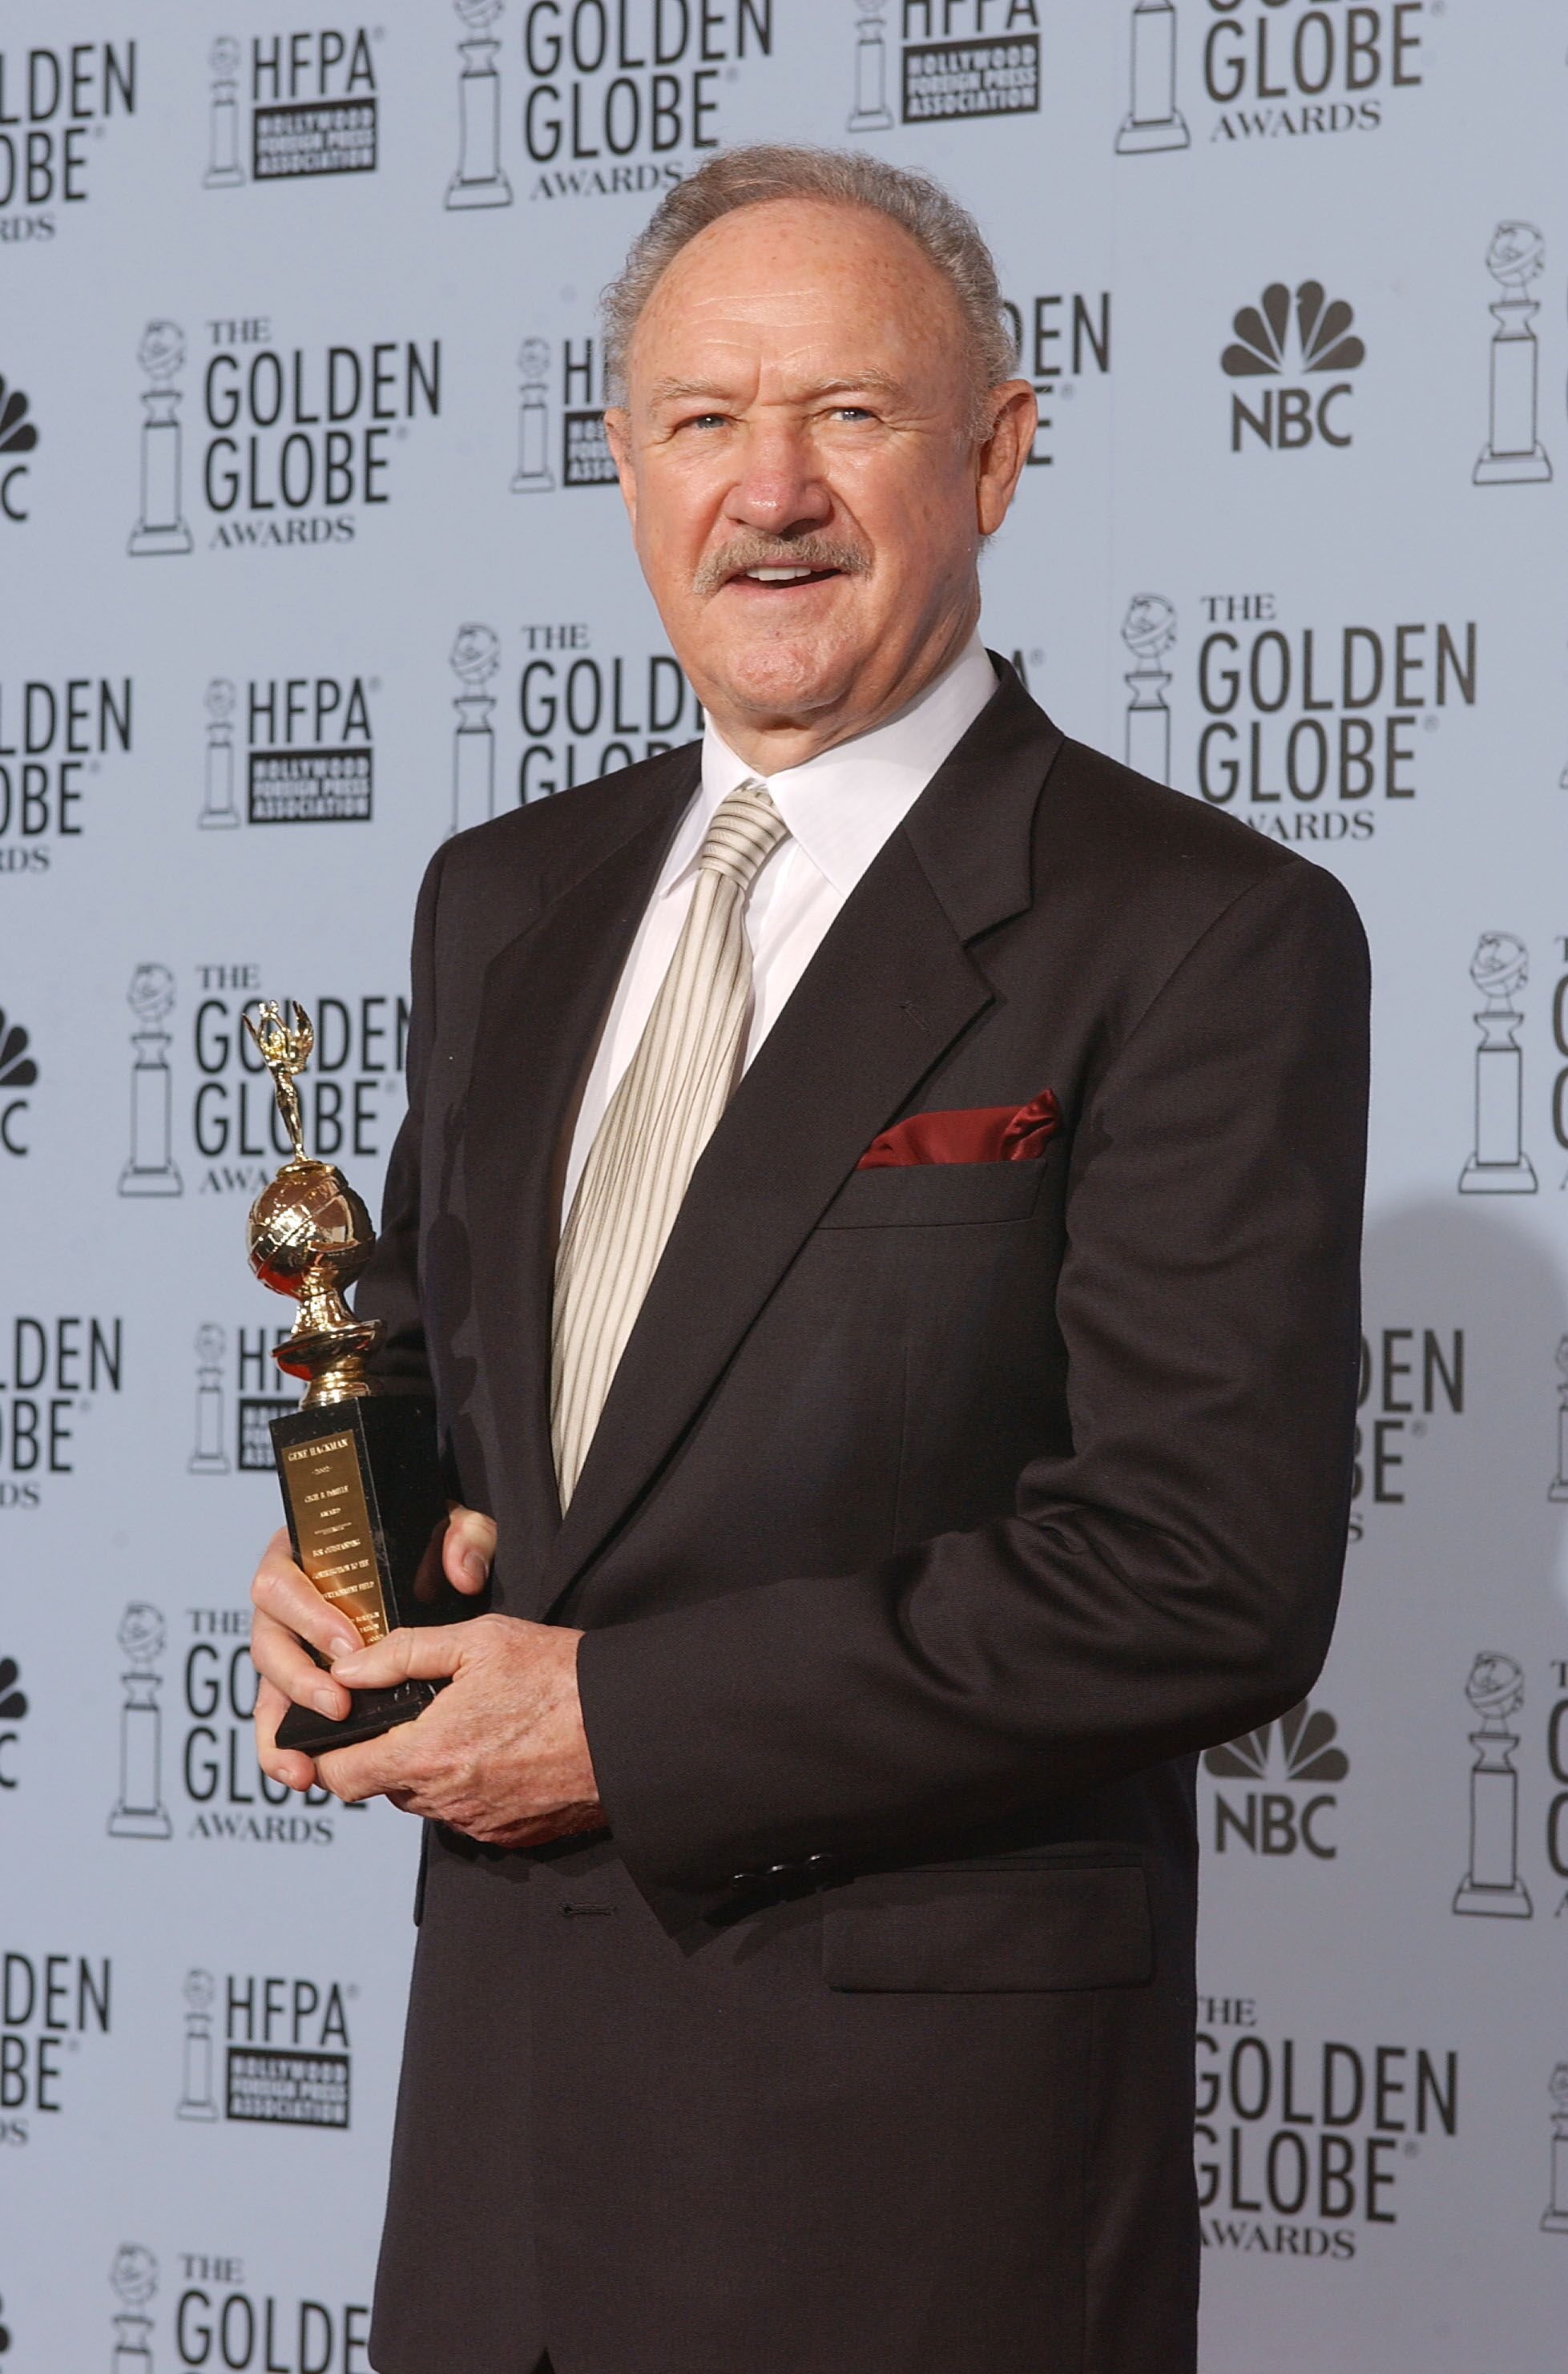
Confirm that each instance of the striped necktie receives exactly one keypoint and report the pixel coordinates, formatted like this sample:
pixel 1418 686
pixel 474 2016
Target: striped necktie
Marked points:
pixel 664 1110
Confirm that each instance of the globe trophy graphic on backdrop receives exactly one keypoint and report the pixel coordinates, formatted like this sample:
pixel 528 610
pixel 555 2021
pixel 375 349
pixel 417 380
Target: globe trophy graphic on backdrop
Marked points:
pixel 360 1477
pixel 139 1811
pixel 872 112
pixel 208 1457
pixel 479 180
pixel 1498 1164
pixel 218 810
pixel 1513 454
pixel 224 170
pixel 1149 630
pixel 150 1169
pixel 195 2099
pixel 1555 2220
pixel 1153 121
pixel 134 2281
pixel 533 475
pixel 475 657
pixel 1491 1884
pixel 1558 1488
pixel 160 526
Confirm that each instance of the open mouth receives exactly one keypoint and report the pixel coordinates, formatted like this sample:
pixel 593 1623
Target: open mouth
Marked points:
pixel 777 578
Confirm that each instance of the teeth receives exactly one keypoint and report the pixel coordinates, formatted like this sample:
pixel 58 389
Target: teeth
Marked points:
pixel 779 576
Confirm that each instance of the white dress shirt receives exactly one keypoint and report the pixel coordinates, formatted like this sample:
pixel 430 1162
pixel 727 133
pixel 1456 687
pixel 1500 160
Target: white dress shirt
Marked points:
pixel 840 807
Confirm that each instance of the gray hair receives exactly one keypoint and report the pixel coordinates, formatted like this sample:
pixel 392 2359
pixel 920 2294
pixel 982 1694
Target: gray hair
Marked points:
pixel 946 233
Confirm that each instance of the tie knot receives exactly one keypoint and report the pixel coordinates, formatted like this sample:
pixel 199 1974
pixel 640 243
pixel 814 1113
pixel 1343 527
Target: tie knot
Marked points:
pixel 746 830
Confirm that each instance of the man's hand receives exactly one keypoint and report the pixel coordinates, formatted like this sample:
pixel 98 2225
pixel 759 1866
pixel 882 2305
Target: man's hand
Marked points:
pixel 501 1755
pixel 289 1609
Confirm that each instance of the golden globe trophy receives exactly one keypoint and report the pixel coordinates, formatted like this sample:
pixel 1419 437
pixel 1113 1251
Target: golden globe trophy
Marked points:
pixel 363 1487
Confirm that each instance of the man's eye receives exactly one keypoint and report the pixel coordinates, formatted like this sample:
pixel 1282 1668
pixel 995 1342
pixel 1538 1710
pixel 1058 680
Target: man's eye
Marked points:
pixel 705 420
pixel 852 412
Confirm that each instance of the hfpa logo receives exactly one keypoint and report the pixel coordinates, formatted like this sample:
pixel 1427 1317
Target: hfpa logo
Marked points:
pixel 1273 1821
pixel 1289 417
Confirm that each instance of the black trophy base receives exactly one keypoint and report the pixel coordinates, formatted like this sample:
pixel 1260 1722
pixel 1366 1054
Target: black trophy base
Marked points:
pixel 366 1505
pixel 373 1711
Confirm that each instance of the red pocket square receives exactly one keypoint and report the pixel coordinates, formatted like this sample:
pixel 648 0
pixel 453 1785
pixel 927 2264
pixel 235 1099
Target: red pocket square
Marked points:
pixel 986 1134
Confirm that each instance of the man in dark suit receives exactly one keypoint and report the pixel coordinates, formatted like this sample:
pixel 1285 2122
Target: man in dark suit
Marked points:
pixel 880 1211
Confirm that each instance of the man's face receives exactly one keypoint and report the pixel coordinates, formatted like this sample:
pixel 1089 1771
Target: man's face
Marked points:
pixel 797 456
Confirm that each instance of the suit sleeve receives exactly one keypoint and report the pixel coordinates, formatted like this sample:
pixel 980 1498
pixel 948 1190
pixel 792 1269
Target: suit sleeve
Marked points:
pixel 1168 1582
pixel 389 1287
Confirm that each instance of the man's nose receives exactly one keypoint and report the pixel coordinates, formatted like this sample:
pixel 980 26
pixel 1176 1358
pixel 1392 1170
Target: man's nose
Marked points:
pixel 780 487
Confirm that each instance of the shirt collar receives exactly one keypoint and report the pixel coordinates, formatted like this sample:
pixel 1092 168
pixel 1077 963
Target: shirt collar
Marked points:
pixel 842 806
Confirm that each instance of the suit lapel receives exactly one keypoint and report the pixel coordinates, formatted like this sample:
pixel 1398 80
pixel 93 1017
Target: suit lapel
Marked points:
pixel 885 996
pixel 545 996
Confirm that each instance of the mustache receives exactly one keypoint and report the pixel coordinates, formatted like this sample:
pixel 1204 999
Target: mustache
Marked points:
pixel 773 552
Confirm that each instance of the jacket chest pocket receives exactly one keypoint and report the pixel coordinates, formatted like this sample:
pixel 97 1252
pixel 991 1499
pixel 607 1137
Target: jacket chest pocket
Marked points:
pixel 938 1194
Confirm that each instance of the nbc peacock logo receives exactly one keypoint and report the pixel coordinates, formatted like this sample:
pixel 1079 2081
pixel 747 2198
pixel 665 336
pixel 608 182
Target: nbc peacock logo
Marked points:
pixel 1291 336
pixel 18 435
pixel 13 1706
pixel 18 1071
pixel 1289 1771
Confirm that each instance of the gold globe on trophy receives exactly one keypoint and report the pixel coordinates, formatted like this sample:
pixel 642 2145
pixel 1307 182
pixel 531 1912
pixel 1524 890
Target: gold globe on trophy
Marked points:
pixel 363 1487
pixel 308 1234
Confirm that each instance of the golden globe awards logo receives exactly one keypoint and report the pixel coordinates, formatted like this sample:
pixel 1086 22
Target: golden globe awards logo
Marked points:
pixel 53 738
pixel 18 437
pixel 582 715
pixel 54 104
pixel 951 60
pixel 220 2316
pixel 312 102
pixel 234 1135
pixel 1059 339
pixel 54 1374
pixel 1279 73
pixel 1410 1377
pixel 50 2004
pixel 1305 2148
pixel 298 444
pixel 1294 337
pixel 1315 732
pixel 615 98
pixel 224 1797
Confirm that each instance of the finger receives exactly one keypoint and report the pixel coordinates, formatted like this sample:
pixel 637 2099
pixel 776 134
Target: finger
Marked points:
pixel 374 1768
pixel 285 1764
pixel 467 1550
pixel 429 1653
pixel 289 1596
pixel 278 1657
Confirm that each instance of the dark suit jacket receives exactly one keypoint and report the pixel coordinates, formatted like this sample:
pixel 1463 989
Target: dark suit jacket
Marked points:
pixel 936 1518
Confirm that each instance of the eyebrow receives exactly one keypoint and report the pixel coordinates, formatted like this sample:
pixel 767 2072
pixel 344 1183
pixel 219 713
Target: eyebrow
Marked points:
pixel 675 390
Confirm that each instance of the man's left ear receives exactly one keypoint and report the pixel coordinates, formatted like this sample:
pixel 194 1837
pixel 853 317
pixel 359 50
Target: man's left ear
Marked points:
pixel 1014 419
pixel 617 437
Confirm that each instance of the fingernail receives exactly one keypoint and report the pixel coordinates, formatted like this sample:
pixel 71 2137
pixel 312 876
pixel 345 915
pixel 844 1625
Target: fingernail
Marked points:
pixel 346 1644
pixel 474 1568
pixel 345 1658
pixel 326 1702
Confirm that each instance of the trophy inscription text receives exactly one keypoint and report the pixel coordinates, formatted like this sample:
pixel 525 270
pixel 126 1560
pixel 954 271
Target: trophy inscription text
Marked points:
pixel 337 1549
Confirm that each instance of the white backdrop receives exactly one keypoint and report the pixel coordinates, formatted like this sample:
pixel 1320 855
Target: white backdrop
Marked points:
pixel 305 550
